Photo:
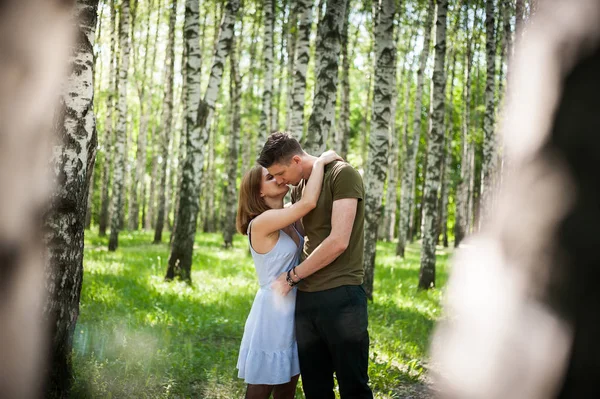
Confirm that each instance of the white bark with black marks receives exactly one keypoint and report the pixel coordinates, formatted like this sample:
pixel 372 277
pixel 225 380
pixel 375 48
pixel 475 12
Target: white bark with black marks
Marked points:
pixel 342 132
pixel 249 130
pixel 435 153
pixel 117 200
pixel 72 167
pixel 266 120
pixel 461 223
pixel 302 55
pixel 292 37
pixel 142 139
pixel 385 79
pixel 234 140
pixel 326 75
pixel 412 147
pixel 489 161
pixel 405 143
pixel 166 128
pixel 107 142
pixel 180 259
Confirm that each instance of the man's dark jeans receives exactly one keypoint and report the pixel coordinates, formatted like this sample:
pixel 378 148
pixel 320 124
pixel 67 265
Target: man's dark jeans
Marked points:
pixel 331 330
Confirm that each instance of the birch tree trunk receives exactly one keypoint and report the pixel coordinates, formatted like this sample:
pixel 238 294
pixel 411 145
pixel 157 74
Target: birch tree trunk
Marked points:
pixel 489 166
pixel 180 259
pixel 326 73
pixel 72 166
pixel 385 80
pixel 121 129
pixel 151 217
pixel 280 78
pixel 519 18
pixel 166 132
pixel 148 217
pixel 408 173
pixel 108 129
pixel 209 213
pixel 449 135
pixel 366 119
pixel 405 127
pixel 266 120
pixel 302 54
pixel 343 129
pixel 232 163
pixel 249 130
pixel 447 166
pixel 142 139
pixel 389 219
pixel 462 191
pixel 435 153
pixel 291 52
pixel 507 55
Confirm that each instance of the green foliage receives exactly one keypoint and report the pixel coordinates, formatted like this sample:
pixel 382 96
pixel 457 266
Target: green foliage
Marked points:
pixel 140 337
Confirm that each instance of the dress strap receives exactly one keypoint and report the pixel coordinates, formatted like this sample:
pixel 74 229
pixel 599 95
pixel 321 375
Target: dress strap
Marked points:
pixel 294 227
pixel 249 232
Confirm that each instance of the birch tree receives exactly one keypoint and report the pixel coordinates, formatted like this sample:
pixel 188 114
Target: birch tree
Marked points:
pixel 385 80
pixel 292 37
pixel 232 163
pixel 121 129
pixel 266 119
pixel 249 130
pixel 180 259
pixel 408 173
pixel 435 153
pixel 285 15
pixel 389 216
pixel 519 17
pixel 72 166
pixel 142 139
pixel 167 125
pixel 462 190
pixel 449 129
pixel 342 132
pixel 489 167
pixel 107 145
pixel 302 55
pixel 326 73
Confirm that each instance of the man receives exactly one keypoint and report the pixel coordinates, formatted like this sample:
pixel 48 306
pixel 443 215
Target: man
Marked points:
pixel 331 305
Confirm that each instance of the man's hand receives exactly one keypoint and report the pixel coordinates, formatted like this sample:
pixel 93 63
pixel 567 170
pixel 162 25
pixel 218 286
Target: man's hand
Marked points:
pixel 280 285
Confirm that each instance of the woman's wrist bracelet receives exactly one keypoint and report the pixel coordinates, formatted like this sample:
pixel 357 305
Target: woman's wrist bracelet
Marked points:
pixel 289 280
pixel 296 274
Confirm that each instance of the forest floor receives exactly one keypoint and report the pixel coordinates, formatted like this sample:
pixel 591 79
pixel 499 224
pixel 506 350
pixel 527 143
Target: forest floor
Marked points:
pixel 141 337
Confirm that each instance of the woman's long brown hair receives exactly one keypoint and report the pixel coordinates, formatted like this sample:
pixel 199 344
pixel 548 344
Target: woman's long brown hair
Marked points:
pixel 250 203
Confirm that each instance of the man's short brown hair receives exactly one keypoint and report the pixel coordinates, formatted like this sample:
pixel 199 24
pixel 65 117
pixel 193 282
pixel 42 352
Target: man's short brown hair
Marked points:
pixel 279 148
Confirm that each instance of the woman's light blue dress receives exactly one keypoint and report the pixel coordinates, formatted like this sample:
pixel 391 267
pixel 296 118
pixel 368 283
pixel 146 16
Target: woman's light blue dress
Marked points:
pixel 269 353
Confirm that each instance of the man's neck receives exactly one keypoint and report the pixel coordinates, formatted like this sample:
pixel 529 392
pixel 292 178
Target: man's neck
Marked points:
pixel 308 163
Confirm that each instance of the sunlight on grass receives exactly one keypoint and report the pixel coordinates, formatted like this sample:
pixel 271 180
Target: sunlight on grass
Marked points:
pixel 141 337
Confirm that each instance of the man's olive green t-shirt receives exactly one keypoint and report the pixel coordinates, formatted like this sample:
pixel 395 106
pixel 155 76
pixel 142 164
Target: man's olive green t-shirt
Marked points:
pixel 340 181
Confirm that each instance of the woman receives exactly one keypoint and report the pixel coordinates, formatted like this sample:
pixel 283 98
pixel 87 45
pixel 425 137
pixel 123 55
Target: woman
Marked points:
pixel 268 359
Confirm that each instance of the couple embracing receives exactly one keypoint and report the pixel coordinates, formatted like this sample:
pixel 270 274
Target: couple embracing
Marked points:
pixel 310 313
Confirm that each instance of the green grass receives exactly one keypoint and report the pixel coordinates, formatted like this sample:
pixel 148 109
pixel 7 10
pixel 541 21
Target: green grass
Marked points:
pixel 140 337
